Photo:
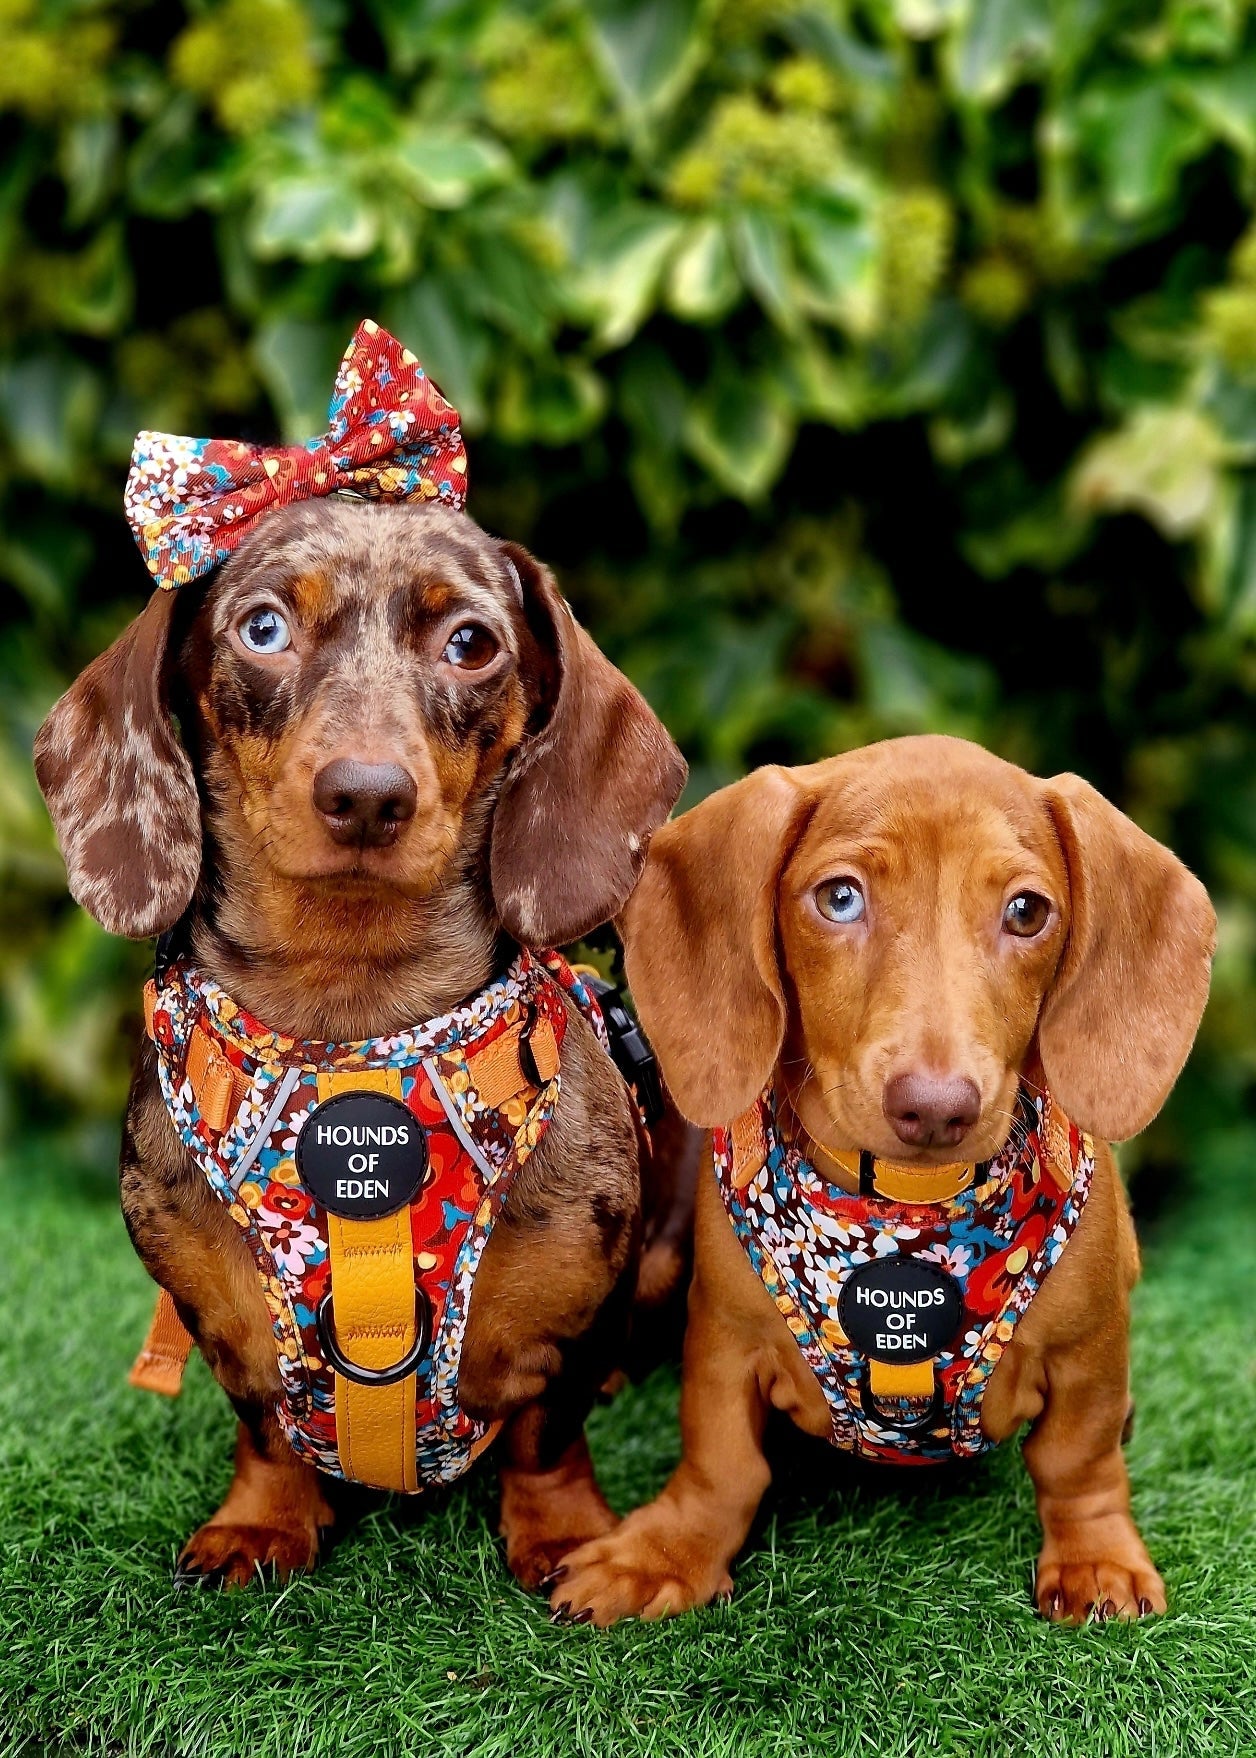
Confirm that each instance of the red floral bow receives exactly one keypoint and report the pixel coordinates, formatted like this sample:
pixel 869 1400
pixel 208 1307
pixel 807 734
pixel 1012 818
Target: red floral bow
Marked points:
pixel 391 434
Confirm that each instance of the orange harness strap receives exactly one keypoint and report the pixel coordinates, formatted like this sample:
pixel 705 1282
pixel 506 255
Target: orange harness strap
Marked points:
pixel 160 1363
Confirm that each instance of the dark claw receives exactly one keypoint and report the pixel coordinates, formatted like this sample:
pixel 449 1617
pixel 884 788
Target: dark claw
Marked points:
pixel 561 1614
pixel 583 1617
pixel 1144 1608
pixel 187 1577
pixel 1055 1604
pixel 725 1597
pixel 552 1579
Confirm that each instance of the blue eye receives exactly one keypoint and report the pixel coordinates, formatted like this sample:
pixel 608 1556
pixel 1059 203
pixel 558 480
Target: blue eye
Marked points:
pixel 264 631
pixel 840 900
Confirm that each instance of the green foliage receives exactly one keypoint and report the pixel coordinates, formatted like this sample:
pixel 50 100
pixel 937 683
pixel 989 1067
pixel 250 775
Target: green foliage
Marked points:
pixel 863 365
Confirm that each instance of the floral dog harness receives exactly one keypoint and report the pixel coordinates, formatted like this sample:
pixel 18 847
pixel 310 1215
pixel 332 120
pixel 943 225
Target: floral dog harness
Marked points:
pixel 903 1298
pixel 367 1179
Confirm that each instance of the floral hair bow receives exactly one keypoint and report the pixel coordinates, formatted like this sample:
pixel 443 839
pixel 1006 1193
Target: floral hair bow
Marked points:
pixel 391 435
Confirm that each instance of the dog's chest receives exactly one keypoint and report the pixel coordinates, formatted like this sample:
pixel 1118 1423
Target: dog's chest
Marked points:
pixel 902 1310
pixel 367 1179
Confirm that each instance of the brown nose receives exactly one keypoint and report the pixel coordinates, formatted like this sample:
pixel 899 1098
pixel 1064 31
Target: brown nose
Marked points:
pixel 366 803
pixel 926 1112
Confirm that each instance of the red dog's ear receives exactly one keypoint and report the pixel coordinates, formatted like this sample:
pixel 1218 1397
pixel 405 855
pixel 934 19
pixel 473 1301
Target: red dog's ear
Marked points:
pixel 586 790
pixel 1121 1016
pixel 700 943
pixel 119 785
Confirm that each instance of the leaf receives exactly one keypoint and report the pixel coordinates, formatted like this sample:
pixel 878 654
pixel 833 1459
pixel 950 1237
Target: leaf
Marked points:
pixel 555 405
pixel 1225 101
pixel 446 170
pixel 837 253
pixel 1139 138
pixel 296 360
pixel 432 318
pixel 1164 463
pixel 702 283
pixel 311 216
pixel 761 247
pixel 650 50
pixel 49 404
pixel 739 431
pixel 997 45
pixel 616 283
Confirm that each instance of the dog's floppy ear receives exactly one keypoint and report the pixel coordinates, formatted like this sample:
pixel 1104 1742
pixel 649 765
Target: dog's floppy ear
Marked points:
pixel 700 943
pixel 119 785
pixel 587 788
pixel 1121 1016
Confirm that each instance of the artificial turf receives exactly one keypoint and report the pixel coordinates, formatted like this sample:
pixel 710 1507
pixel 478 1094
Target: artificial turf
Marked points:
pixel 872 1614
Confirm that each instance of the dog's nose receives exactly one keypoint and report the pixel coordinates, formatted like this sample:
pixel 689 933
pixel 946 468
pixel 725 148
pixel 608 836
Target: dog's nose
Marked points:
pixel 926 1112
pixel 365 803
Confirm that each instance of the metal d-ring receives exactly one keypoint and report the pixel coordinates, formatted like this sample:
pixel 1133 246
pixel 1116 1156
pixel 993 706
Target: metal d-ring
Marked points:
pixel 374 1376
pixel 917 1425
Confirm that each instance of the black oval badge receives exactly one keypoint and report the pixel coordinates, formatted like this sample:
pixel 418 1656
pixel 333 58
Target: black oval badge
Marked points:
pixel 362 1154
pixel 900 1309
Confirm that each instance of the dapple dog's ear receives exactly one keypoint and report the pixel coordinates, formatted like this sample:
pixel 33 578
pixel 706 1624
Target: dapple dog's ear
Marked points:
pixel 1121 1016
pixel 587 789
pixel 701 944
pixel 119 785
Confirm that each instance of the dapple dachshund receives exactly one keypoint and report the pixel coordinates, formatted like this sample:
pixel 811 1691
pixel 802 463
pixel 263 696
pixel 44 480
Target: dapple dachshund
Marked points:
pixel 862 964
pixel 359 766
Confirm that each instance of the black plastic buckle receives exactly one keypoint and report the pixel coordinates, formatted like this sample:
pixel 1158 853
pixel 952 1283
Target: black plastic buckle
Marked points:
pixel 630 1050
pixel 375 1376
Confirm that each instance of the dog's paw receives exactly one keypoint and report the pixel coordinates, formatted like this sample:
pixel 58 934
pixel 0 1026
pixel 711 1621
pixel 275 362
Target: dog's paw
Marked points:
pixel 635 1573
pixel 1098 1589
pixel 222 1555
pixel 536 1564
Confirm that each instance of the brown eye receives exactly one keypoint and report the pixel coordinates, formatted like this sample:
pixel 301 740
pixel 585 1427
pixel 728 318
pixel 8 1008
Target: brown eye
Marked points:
pixel 1026 914
pixel 470 648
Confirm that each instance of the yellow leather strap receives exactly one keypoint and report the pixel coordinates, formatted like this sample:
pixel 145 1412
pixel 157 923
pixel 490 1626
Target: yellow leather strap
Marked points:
pixel 905 1184
pixel 893 1379
pixel 160 1363
pixel 372 1283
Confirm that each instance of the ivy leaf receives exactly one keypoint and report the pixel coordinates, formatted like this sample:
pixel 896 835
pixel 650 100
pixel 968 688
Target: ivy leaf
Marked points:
pixel 312 215
pixel 1139 138
pixel 650 50
pixel 437 324
pixel 741 433
pixel 837 251
pixel 702 283
pixel 446 170
pixel 1164 463
pixel 617 281
pixel 761 246
pixel 999 43
pixel 296 361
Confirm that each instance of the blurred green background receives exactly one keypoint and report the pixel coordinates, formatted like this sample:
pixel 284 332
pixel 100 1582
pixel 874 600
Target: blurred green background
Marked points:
pixel 862 369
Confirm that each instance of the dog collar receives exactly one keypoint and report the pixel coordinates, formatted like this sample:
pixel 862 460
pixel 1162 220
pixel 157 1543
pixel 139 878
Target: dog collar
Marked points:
pixel 902 1305
pixel 367 1178
pixel 874 1176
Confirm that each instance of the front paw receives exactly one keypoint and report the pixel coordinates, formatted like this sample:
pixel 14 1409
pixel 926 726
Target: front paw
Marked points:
pixel 1122 1584
pixel 223 1555
pixel 644 1569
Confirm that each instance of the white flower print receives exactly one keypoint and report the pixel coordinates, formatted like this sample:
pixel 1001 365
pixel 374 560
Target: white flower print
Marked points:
pixel 291 1243
pixel 956 1260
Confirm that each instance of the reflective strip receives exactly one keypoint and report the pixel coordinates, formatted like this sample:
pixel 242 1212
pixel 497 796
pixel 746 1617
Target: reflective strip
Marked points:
pixel 283 1092
pixel 450 1108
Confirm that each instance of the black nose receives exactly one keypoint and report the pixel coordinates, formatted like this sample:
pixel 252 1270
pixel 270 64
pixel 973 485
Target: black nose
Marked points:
pixel 926 1112
pixel 366 803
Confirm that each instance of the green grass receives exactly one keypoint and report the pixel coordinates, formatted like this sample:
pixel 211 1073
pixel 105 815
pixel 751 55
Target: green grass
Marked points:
pixel 891 1618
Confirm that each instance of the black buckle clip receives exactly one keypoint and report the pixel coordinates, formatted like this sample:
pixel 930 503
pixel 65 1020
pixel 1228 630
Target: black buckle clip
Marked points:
pixel 630 1050
pixel 375 1376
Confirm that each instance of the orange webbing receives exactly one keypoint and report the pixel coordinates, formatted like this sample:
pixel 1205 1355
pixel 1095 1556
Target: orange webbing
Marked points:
pixel 160 1363
pixel 372 1284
